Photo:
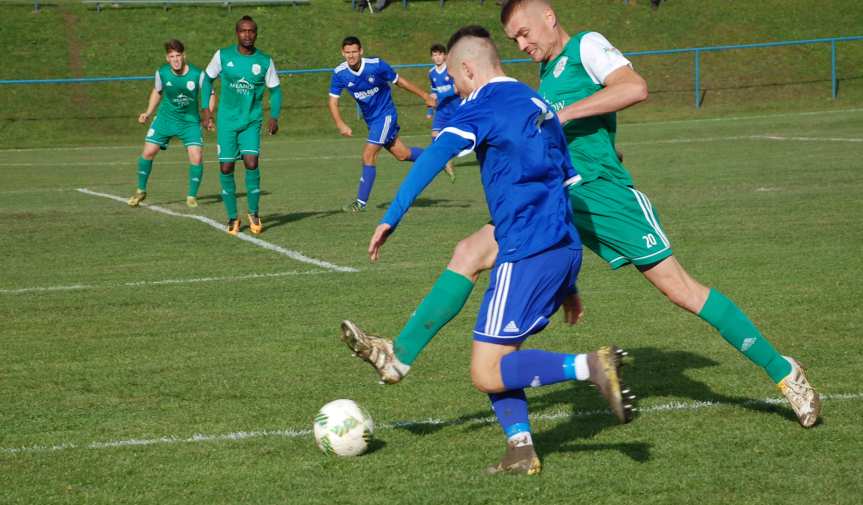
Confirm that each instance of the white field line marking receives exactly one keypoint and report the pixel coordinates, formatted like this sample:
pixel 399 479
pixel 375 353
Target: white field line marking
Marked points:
pixel 299 433
pixel 162 282
pixel 242 236
pixel 809 139
pixel 339 139
pixel 129 162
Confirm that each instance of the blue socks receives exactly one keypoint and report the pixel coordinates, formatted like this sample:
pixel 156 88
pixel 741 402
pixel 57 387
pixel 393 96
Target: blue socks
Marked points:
pixel 534 368
pixel 366 182
pixel 510 408
pixel 415 153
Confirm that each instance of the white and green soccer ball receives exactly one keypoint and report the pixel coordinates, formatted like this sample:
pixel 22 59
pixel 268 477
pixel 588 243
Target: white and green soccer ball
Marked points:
pixel 343 428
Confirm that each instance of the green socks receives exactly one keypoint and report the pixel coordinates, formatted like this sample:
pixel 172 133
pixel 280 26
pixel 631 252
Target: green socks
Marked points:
pixel 229 193
pixel 739 331
pixel 253 189
pixel 196 173
pixel 144 169
pixel 444 302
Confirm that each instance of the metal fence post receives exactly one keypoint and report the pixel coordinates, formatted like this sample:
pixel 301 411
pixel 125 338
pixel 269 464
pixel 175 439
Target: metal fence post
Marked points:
pixel 833 79
pixel 697 79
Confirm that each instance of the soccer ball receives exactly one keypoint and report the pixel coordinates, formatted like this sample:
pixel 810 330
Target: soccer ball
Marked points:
pixel 343 428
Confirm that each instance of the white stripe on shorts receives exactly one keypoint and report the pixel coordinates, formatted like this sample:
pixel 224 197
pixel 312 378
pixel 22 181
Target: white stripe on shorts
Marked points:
pixel 647 209
pixel 386 130
pixel 494 318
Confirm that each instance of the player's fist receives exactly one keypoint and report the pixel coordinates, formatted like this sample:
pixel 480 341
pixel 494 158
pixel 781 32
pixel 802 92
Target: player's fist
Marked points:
pixel 430 100
pixel 572 309
pixel 345 130
pixel 273 127
pixel 143 117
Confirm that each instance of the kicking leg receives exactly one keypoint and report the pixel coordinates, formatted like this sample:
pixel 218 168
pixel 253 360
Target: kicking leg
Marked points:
pixel 739 331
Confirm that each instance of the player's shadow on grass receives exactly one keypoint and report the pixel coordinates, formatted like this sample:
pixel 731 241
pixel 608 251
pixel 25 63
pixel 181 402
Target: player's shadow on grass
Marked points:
pixel 442 203
pixel 274 220
pixel 213 199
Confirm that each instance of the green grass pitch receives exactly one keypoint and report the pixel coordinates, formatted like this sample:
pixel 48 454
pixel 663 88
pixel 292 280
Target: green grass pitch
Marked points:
pixel 150 358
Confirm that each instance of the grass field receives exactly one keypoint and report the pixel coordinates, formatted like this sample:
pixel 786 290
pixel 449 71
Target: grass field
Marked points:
pixel 149 358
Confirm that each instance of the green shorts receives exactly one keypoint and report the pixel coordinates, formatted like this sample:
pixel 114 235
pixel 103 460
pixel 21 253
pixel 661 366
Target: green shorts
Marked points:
pixel 618 223
pixel 233 143
pixel 163 129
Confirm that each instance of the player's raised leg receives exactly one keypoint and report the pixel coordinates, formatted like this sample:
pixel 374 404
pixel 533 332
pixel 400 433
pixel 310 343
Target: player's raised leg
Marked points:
pixel 739 331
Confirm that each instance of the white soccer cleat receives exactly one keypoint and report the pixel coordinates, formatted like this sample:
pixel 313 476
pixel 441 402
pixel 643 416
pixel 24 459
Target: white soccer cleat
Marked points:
pixel 800 394
pixel 376 351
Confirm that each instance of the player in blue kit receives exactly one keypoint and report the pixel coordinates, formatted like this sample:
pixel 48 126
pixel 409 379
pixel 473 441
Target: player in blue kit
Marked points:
pixel 444 93
pixel 368 81
pixel 524 168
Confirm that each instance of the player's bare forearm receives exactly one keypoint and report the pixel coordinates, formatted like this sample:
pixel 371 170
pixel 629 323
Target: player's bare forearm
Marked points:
pixel 152 102
pixel 623 88
pixel 411 87
pixel 343 128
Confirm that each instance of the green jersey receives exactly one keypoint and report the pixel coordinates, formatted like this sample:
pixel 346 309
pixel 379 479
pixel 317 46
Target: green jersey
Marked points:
pixel 180 93
pixel 576 73
pixel 244 78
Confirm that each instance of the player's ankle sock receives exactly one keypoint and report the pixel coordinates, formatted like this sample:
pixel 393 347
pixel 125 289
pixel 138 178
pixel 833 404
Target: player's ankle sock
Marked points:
pixel 739 331
pixel 144 169
pixel 196 173
pixel 534 368
pixel 415 153
pixel 253 189
pixel 367 181
pixel 229 193
pixel 444 301
pixel 510 407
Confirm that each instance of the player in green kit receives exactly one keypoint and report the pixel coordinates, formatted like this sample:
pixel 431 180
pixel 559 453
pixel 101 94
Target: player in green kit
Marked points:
pixel 587 80
pixel 175 92
pixel 245 72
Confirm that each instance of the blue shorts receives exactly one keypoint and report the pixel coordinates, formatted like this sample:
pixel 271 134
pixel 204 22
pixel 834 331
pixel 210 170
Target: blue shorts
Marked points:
pixel 384 130
pixel 443 115
pixel 523 295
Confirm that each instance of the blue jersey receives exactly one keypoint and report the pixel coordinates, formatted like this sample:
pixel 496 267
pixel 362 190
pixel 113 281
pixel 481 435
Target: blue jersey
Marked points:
pixel 443 86
pixel 524 166
pixel 370 86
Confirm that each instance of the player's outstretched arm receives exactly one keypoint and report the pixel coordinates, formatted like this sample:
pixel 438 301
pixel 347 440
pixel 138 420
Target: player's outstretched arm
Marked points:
pixel 623 87
pixel 152 103
pixel 411 87
pixel 333 105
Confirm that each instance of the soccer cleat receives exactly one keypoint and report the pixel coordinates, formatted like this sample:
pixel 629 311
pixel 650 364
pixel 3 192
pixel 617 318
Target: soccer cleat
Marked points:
pixel 255 225
pixel 376 351
pixel 517 460
pixel 800 394
pixel 354 207
pixel 233 226
pixel 136 199
pixel 191 201
pixel 604 366
pixel 450 171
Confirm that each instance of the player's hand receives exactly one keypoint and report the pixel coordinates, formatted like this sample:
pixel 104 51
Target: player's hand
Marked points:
pixel 143 117
pixel 211 125
pixel 382 233
pixel 273 127
pixel 572 309
pixel 430 100
pixel 345 130
pixel 562 119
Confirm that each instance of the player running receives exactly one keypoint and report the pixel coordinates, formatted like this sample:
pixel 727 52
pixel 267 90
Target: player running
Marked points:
pixel 524 166
pixel 368 81
pixel 444 94
pixel 245 71
pixel 587 80
pixel 179 82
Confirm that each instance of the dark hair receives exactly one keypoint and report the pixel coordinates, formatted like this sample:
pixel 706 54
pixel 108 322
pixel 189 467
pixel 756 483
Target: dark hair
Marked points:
pixel 507 8
pixel 437 48
pixel 245 18
pixel 174 45
pixel 468 31
pixel 350 40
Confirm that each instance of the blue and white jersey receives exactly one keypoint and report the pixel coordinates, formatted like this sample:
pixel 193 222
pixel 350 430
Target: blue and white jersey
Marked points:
pixel 443 86
pixel 369 86
pixel 524 166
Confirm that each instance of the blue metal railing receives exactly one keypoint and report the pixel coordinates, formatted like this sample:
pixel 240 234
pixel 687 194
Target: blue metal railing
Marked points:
pixel 696 51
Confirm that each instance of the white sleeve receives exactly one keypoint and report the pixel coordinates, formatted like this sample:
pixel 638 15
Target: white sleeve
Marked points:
pixel 157 85
pixel 215 66
pixel 272 77
pixel 396 79
pixel 599 57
